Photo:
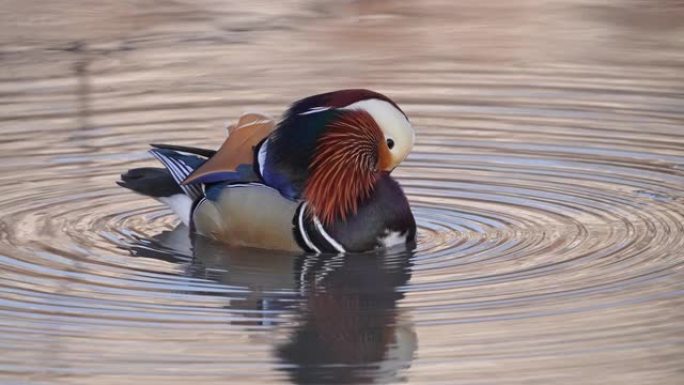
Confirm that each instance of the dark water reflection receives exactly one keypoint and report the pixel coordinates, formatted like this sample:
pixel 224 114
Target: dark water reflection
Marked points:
pixel 547 183
pixel 346 325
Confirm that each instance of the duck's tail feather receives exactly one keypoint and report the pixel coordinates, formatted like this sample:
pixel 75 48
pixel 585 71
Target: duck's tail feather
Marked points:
pixel 180 165
pixel 161 185
pixel 165 184
pixel 150 181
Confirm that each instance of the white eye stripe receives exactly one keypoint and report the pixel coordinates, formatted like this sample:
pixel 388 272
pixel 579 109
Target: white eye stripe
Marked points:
pixel 392 122
pixel 384 113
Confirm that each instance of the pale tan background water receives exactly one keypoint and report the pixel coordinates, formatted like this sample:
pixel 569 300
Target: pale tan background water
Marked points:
pixel 547 181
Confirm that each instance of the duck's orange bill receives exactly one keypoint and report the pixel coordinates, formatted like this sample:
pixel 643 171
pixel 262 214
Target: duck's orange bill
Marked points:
pixel 238 148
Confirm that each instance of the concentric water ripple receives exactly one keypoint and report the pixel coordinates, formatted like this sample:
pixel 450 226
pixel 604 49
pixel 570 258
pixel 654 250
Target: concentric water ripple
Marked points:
pixel 549 195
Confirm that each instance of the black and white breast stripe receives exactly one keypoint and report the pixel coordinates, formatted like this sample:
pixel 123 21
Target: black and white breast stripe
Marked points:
pixel 311 235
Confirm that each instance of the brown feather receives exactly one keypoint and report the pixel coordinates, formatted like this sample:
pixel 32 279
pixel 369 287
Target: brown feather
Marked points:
pixel 345 166
pixel 239 146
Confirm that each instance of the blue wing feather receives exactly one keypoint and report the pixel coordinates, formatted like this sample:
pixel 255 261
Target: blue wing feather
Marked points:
pixel 181 164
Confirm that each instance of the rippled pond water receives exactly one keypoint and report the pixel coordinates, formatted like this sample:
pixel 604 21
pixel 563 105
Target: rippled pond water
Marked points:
pixel 547 182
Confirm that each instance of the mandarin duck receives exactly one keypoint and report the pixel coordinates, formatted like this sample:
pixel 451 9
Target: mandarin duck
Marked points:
pixel 317 181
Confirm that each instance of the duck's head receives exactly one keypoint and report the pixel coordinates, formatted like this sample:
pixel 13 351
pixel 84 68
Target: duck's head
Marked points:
pixel 365 134
pixel 372 115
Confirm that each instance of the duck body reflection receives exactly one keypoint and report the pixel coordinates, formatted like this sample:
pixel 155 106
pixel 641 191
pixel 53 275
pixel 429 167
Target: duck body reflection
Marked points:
pixel 343 323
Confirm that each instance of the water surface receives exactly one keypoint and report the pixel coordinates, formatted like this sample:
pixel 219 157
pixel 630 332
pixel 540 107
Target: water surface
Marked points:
pixel 547 182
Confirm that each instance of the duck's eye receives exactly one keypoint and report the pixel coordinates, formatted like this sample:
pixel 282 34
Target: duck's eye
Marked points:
pixel 390 143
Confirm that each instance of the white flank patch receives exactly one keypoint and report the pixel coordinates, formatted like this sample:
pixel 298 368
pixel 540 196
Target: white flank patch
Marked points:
pixel 393 238
pixel 180 204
